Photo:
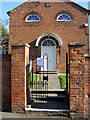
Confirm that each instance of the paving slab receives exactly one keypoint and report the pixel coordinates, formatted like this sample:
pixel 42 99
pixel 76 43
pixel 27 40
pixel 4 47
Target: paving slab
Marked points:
pixel 53 81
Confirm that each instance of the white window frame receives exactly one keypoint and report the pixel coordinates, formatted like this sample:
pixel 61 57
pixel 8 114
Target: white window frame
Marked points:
pixel 62 19
pixel 26 20
pixel 47 42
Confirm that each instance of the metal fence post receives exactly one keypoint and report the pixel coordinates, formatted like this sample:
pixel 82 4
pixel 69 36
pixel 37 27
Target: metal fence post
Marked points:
pixel 67 73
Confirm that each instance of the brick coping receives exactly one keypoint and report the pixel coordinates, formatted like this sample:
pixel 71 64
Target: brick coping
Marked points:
pixel 87 55
pixel 76 44
pixel 20 45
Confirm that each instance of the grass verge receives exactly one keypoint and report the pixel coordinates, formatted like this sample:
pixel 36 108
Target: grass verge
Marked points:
pixel 34 79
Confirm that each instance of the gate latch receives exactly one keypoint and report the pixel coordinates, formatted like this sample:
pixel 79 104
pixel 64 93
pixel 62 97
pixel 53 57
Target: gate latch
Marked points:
pixel 45 78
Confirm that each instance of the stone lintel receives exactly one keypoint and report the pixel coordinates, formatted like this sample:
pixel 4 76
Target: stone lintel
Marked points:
pixel 20 45
pixel 76 44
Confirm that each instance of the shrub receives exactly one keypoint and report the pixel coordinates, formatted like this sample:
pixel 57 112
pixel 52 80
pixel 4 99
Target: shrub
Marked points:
pixel 63 81
pixel 34 79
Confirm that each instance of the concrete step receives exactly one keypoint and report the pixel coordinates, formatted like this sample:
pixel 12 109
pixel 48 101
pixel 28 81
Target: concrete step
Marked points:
pixel 47 72
pixel 49 91
pixel 45 98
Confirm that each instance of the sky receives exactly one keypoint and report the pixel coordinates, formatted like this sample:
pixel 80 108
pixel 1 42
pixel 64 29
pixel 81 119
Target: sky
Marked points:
pixel 7 5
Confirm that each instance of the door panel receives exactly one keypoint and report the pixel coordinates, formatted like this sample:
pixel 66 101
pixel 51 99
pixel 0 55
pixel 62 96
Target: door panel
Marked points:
pixel 51 52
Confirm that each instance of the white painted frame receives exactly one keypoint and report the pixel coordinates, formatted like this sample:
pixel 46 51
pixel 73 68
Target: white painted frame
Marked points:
pixel 46 35
pixel 26 20
pixel 65 19
pixel 48 39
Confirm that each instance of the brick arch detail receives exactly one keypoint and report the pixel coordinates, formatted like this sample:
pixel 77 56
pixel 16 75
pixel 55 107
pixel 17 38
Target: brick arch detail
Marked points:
pixel 32 12
pixel 64 12
pixel 43 35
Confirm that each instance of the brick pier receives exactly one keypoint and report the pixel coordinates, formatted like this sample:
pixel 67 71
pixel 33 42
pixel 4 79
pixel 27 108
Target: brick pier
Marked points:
pixel 78 82
pixel 19 61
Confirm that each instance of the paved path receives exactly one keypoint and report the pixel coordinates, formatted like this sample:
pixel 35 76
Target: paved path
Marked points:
pixel 31 115
pixel 54 98
pixel 53 82
pixel 35 116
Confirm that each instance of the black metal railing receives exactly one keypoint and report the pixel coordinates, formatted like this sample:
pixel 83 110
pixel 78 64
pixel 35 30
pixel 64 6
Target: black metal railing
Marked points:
pixel 67 72
pixel 67 82
pixel 38 81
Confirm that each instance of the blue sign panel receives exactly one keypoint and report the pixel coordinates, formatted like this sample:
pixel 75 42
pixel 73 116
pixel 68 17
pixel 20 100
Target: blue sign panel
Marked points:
pixel 40 62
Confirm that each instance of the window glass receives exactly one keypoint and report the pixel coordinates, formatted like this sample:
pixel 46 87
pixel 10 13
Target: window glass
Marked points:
pixel 48 43
pixel 32 18
pixel 63 17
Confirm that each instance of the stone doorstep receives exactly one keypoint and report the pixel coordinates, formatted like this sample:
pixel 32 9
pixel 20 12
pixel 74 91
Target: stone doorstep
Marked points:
pixel 48 72
pixel 28 108
pixel 50 90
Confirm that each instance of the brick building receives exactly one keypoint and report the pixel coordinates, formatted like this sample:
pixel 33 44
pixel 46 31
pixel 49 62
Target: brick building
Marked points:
pixel 40 29
pixel 49 28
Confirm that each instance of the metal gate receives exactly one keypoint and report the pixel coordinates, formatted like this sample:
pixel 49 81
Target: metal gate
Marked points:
pixel 40 95
pixel 38 81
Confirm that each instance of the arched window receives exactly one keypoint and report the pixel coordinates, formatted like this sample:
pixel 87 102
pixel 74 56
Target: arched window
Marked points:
pixel 64 17
pixel 48 42
pixel 32 18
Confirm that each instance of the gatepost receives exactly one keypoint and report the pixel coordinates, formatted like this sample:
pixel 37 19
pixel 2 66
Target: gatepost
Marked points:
pixel 19 61
pixel 78 89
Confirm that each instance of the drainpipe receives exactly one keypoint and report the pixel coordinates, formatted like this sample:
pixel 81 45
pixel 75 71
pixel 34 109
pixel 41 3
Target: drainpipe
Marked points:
pixel 89 24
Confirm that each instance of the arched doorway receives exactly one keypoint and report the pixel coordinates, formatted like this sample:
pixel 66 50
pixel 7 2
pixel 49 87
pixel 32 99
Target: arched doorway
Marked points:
pixel 48 47
pixel 49 43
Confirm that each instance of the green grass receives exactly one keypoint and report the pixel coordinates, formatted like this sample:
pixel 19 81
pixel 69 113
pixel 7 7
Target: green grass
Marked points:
pixel 34 79
pixel 63 81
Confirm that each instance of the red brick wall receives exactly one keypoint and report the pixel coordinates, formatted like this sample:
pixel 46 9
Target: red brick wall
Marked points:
pixel 88 79
pixel 78 81
pixel 6 82
pixel 89 75
pixel 22 32
pixel 19 61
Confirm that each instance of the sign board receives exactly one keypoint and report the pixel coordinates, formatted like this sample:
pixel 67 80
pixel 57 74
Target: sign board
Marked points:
pixel 40 62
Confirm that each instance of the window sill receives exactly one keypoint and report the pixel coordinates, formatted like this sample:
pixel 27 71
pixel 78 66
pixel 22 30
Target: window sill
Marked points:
pixel 32 23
